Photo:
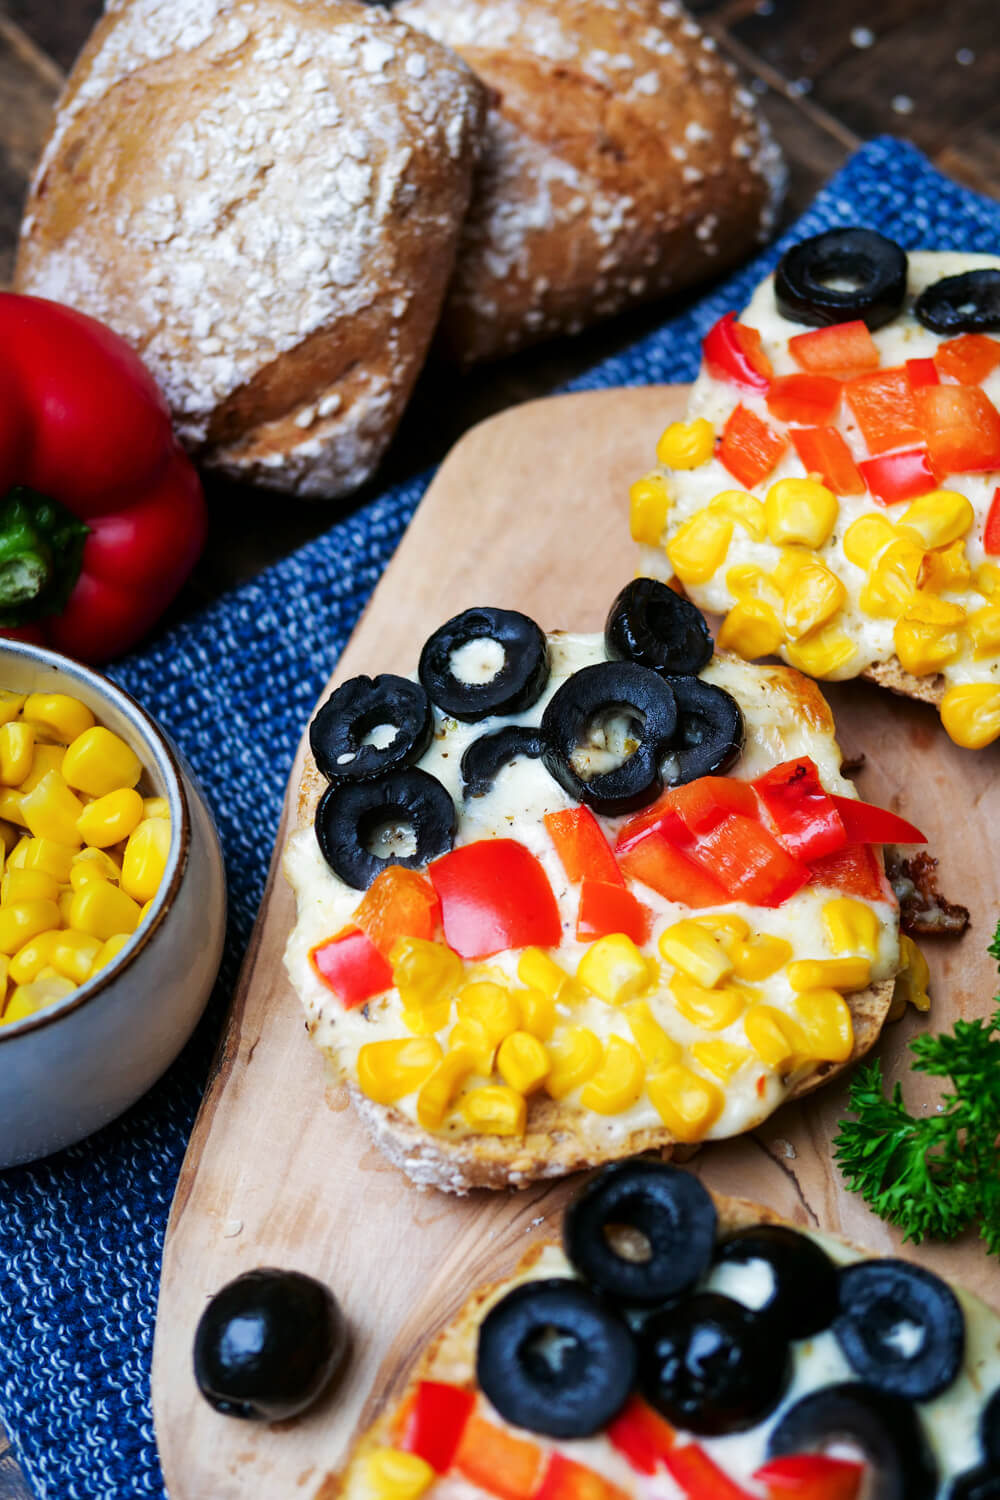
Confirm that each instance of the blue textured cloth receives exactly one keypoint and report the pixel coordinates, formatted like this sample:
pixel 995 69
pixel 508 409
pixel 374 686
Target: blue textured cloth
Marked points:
pixel 81 1234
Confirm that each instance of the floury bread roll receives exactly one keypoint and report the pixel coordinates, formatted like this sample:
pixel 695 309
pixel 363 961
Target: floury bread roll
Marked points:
pixel 263 197
pixel 622 161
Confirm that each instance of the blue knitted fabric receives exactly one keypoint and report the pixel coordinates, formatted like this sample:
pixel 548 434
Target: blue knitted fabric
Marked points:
pixel 81 1234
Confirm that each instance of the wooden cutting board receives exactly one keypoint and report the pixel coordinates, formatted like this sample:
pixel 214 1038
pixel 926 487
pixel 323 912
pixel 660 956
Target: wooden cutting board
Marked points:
pixel 529 512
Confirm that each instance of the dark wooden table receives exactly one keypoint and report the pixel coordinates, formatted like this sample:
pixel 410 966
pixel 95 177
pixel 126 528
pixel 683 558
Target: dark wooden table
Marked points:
pixel 828 76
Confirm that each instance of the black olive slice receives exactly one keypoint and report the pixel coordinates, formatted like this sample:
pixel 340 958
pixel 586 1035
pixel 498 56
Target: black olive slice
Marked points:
pixel 652 625
pixel 350 815
pixel 969 303
pixel 515 686
pixel 268 1344
pixel 803 1298
pixel 669 1208
pixel 989 1428
pixel 711 1366
pixel 980 1483
pixel 710 731
pixel 486 757
pixel 338 732
pixel 842 275
pixel 900 1327
pixel 598 693
pixel 884 1427
pixel 554 1359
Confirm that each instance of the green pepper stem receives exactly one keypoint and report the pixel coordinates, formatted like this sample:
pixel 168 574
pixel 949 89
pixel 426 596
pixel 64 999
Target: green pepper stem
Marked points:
pixel 41 553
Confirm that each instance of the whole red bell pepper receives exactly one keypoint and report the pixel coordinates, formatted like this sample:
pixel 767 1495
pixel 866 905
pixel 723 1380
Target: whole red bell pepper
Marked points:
pixel 102 516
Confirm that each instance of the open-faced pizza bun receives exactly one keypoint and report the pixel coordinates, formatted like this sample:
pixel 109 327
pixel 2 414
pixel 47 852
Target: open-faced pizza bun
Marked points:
pixel 557 905
pixel 834 491
pixel 741 1358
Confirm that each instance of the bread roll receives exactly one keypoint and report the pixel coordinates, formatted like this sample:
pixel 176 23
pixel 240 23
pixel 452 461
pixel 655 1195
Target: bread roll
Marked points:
pixel 622 162
pixel 263 197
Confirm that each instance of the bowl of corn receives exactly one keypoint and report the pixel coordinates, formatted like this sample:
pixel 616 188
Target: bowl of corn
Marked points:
pixel 112 902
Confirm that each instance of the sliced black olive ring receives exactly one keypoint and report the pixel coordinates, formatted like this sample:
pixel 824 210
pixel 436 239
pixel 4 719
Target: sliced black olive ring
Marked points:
pixel 842 275
pixel 360 705
pixel 652 625
pixel 668 1208
pixel 486 757
pixel 597 693
pixel 554 1359
pixel 884 1427
pixel 901 1328
pixel 961 304
pixel 350 815
pixel 517 684
pixel 803 1298
pixel 710 731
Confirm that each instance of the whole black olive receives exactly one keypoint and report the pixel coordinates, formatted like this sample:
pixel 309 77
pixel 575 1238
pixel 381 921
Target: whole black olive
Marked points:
pixel 961 304
pixel 362 704
pixel 582 705
pixel 842 275
pixel 980 1483
pixel 554 1359
pixel 989 1428
pixel 268 1344
pixel 652 625
pixel 351 814
pixel 515 685
pixel 900 1327
pixel 884 1427
pixel 803 1297
pixel 486 757
pixel 669 1208
pixel 710 731
pixel 711 1366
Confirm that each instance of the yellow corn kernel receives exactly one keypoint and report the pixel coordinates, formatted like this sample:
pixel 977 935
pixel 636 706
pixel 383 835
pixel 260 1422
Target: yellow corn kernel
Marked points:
pixel 494 1110
pixel 686 445
pixel 146 908
pixel 24 920
pixel 614 969
pixel 540 972
pixel 971 714
pixel 760 956
pixel 29 998
pixel 424 973
pixel 156 807
pixel 687 1104
pixel 472 1034
pixel 657 1049
pixel 10 807
pixel 34 956
pixel 538 1013
pixel 725 926
pixel 102 910
pixel 523 1062
pixel 988 580
pixel 744 509
pixel 814 596
pixel 649 506
pixel 912 981
pixel 388 1071
pixel 109 819
pixel 940 517
pixel 394 1475
pixel 866 538
pixel 928 634
pixel 48 856
pixel 695 952
pixel 83 873
pixel 830 973
pixel 429 1019
pixel 100 860
pixel 712 1009
pixel 575 1056
pixel 52 811
pixel 109 950
pixel 17 747
pixel 745 582
pixel 73 955
pixel 440 1089
pixel 800 511
pixel 983 629
pixel 4 975
pixel 57 715
pixel 893 580
pixel 98 762
pixel 491 1004
pixel 10 705
pixel 9 837
pixel 947 568
pixel 145 858
pixel 28 885
pixel 65 903
pixel 618 1082
pixel 825 1022
pixel 698 549
pixel 751 629
pixel 772 1035
pixel 45 759
pixel 825 653
pixel 791 561
pixel 851 927
pixel 724 1059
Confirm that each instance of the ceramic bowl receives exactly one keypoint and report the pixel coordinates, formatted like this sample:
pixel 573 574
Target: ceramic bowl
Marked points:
pixel 74 1065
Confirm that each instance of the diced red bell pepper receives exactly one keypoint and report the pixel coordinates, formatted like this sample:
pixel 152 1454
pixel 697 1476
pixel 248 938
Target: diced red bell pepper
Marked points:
pixel 811 1476
pixel 841 349
pixel 969 358
pixel 803 814
pixel 961 426
pixel 883 405
pixel 749 862
pixel 665 869
pixel 565 1479
pixel 581 846
pixel 855 871
pixel 734 352
pixel 642 1435
pixel 749 449
pixel 864 823
pixel 351 966
pixel 806 399
pixel 398 903
pixel 824 452
pixel 922 372
pixel 495 895
pixel 991 531
pixel 691 809
pixel 608 908
pixel 699 1476
pixel 434 1421
pixel 899 476
pixel 498 1462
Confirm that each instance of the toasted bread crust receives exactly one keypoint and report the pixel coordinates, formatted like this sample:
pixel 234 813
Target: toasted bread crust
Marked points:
pixel 891 674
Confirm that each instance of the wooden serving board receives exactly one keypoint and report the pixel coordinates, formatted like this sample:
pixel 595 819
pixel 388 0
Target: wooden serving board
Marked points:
pixel 528 512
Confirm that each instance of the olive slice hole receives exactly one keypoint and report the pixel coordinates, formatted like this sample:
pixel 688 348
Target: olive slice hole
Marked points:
pixel 478 661
pixel 389 838
pixel 551 1353
pixel 610 739
pixel 905 1338
pixel 629 1243
pixel 751 1282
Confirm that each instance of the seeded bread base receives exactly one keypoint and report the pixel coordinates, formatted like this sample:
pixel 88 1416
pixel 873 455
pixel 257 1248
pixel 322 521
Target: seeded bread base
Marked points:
pixel 891 674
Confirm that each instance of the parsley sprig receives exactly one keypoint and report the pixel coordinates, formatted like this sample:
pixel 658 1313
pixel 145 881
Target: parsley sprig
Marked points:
pixel 935 1175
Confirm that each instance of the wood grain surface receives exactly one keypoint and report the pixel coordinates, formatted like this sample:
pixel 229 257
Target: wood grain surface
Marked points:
pixel 279 1171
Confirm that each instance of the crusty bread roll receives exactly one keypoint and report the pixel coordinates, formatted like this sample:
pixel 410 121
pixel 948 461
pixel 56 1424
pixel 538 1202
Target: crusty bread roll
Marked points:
pixel 263 197
pixel 622 162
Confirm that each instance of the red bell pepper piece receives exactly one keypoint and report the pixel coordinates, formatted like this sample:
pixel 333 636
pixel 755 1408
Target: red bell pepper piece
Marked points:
pixel 824 452
pixel 991 531
pixel 806 399
pixel 864 823
pixel 699 1476
pixel 498 1462
pixel 811 1476
pixel 734 352
pixel 749 862
pixel 683 811
pixel 749 449
pixel 642 1435
pixel 434 1421
pixel 804 816
pixel 969 358
pixel 351 966
pixel 608 908
pixel 667 870
pixel 495 895
pixel 922 372
pixel 398 903
pixel 582 847
pixel 855 870
pixel 961 426
pixel 899 476
pixel 884 408
pixel 565 1479
pixel 103 516
pixel 841 349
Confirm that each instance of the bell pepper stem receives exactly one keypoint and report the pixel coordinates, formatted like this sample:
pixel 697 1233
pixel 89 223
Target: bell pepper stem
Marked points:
pixel 41 553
